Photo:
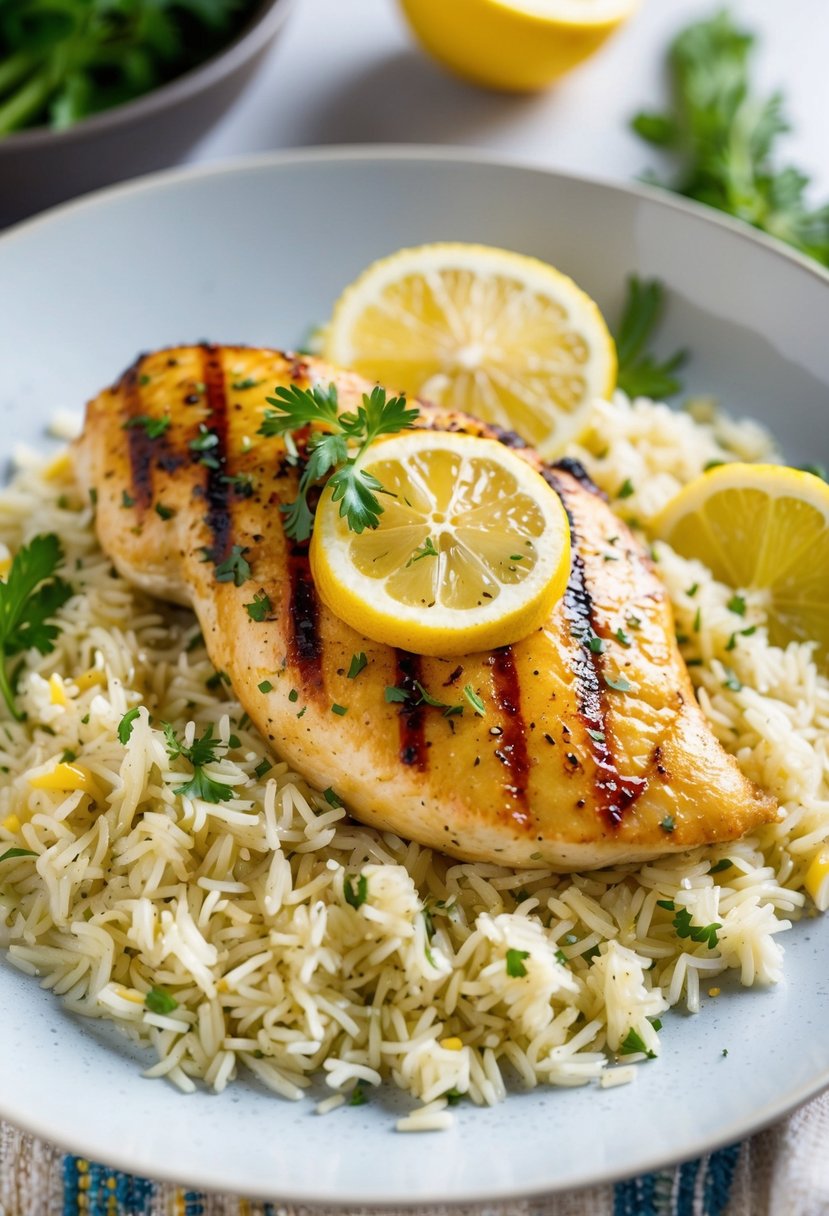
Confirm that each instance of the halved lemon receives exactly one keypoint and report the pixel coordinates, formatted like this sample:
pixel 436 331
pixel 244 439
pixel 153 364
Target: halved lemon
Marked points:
pixel 496 334
pixel 471 552
pixel 762 526
pixel 519 45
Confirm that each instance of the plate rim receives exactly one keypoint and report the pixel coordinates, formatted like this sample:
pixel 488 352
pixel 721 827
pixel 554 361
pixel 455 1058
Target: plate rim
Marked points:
pixel 39 1124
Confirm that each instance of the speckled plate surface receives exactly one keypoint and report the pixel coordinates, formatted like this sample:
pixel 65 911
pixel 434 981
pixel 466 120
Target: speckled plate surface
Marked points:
pixel 257 252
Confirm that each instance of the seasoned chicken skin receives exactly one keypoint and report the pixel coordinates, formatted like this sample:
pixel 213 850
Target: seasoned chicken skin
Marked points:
pixel 582 759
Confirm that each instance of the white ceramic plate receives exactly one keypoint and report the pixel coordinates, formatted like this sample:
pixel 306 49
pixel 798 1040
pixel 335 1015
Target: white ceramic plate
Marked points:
pixel 256 253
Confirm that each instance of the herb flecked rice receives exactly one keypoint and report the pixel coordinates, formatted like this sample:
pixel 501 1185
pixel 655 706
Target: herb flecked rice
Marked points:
pixel 270 933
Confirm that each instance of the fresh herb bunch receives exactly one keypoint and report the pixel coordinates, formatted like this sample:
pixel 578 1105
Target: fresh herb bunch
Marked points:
pixel 203 750
pixel 61 60
pixel 639 374
pixel 31 595
pixel 724 137
pixel 334 448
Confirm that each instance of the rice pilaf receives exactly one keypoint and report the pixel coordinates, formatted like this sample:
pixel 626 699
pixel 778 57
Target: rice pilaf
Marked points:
pixel 288 940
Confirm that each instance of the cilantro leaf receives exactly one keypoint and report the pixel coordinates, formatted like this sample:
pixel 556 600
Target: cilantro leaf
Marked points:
pixel 633 1043
pixel 201 751
pixel 640 374
pixel 358 662
pixel 31 594
pixel 697 933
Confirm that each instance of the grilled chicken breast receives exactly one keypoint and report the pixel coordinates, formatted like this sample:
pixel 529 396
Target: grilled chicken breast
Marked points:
pixel 582 759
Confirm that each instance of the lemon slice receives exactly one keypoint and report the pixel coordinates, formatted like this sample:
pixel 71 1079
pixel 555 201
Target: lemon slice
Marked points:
pixel 501 336
pixel 471 552
pixel 519 45
pixel 764 526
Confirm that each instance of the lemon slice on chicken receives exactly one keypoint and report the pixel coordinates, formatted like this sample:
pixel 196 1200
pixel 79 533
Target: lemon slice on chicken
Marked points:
pixel 501 336
pixel 471 552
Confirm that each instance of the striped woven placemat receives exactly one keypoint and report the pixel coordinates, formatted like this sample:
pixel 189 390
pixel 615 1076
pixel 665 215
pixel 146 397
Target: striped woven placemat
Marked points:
pixel 783 1171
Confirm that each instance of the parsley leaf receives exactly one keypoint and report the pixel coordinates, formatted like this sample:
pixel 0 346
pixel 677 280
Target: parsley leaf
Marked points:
pixel 30 595
pixel 633 1043
pixel 159 1000
pixel 724 137
pixel 201 751
pixel 260 606
pixel 358 662
pixel 355 896
pixel 234 569
pixel 620 685
pixel 10 853
pixel 125 725
pixel 697 933
pixel 515 963
pixel 640 374
pixel 331 449
pixel 153 428
pixel 427 549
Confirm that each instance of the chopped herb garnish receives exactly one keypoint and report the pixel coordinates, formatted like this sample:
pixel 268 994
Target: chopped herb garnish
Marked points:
pixel 339 710
pixel 725 863
pixel 656 1023
pixel 355 895
pixel 203 444
pixel 633 1044
pixel 633 622
pixel 732 681
pixel 668 904
pixel 562 958
pixel 242 483
pixel 621 637
pixel 200 752
pixel 596 645
pixel 732 642
pixel 474 700
pixel 239 386
pixel 159 1000
pixel 737 604
pixel 153 428
pixel 515 963
pixel 454 1096
pixel 697 933
pixel 10 854
pixel 712 464
pixel 260 606
pixel 358 663
pixel 331 798
pixel 264 766
pixel 126 724
pixel 293 696
pixel 620 685
pixel 640 374
pixel 216 680
pixel 127 500
pixel 625 489
pixel 265 686
pixel 358 1096
pixel 667 824
pixel 67 756
pixel 426 698
pixel 164 512
pixel 597 735
pixel 143 379
pixel 30 594
pixel 697 620
pixel 393 694
pixel 234 569
pixel 692 590
pixel 304 710
pixel 427 549
pixel 352 487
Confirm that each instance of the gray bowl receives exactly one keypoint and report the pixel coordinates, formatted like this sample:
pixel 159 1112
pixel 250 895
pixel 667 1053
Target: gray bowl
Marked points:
pixel 41 167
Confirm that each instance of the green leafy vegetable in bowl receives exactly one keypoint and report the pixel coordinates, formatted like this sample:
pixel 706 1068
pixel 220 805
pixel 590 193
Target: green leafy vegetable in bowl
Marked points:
pixel 724 137
pixel 63 60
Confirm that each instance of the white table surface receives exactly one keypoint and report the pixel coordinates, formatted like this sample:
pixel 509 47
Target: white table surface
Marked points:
pixel 348 72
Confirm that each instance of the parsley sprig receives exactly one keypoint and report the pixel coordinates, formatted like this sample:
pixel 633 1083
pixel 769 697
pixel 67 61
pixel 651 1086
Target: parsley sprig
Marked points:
pixel 725 137
pixel 640 373
pixel 30 596
pixel 340 447
pixel 202 751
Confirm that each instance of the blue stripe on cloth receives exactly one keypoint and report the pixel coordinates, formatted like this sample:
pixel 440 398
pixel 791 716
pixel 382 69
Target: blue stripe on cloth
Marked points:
pixel 96 1190
pixel 686 1187
pixel 719 1178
